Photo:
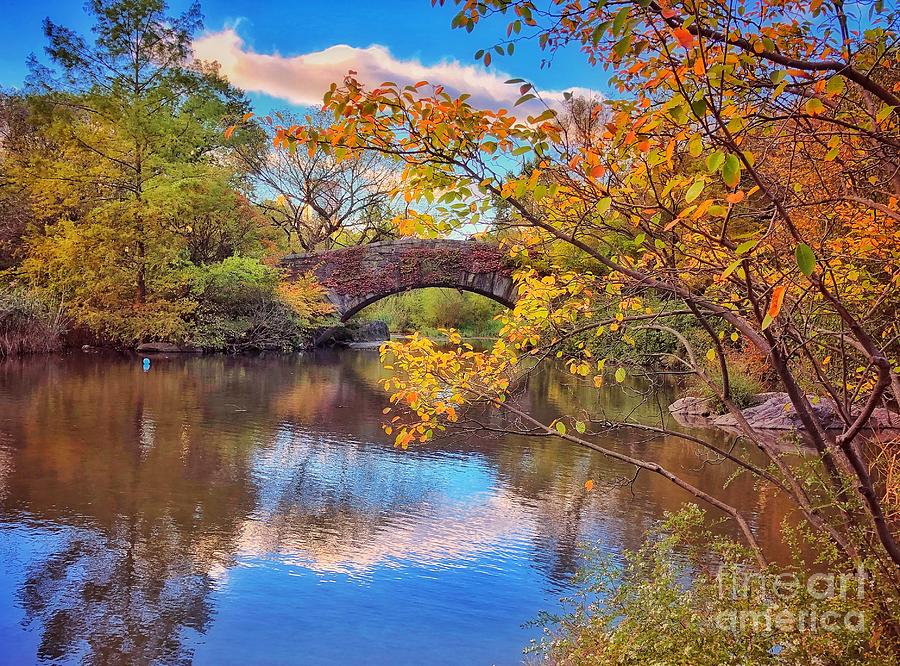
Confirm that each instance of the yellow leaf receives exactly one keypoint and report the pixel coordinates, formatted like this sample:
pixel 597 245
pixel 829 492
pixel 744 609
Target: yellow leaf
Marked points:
pixel 814 106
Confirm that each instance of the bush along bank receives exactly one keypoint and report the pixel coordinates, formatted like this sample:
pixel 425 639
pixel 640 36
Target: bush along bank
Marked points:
pixel 236 305
pixel 29 325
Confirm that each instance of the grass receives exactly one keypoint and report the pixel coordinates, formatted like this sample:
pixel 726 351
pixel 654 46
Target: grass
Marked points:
pixel 28 325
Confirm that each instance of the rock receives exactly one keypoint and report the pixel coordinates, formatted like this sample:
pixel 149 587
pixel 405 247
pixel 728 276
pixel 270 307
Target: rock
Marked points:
pixel 774 411
pixel 884 419
pixel 691 406
pixel 370 331
pixel 354 333
pixel 166 348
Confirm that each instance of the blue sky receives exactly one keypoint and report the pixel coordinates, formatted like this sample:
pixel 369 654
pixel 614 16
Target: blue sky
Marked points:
pixel 284 51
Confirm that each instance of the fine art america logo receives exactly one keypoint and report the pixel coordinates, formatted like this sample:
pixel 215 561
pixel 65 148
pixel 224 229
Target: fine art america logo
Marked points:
pixel 789 603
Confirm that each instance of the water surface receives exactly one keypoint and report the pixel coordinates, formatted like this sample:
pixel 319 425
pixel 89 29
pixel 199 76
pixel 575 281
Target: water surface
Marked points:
pixel 220 510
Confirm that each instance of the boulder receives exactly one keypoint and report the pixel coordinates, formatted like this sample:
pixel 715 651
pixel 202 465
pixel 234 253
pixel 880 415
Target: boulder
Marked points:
pixel 353 333
pixel 370 331
pixel 774 411
pixel 692 406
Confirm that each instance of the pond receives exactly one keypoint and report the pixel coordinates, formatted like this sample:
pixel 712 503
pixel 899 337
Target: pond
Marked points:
pixel 235 510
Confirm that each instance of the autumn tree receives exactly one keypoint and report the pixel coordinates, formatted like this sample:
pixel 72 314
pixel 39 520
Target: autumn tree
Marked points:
pixel 745 177
pixel 318 199
pixel 16 136
pixel 136 128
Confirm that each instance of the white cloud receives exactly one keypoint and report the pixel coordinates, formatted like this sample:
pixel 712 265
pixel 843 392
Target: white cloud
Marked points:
pixel 303 79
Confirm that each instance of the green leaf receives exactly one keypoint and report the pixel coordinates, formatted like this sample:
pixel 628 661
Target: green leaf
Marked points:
pixel 806 259
pixel 777 76
pixel 580 427
pixel 619 20
pixel 621 47
pixel 714 162
pixel 620 375
pixel 767 321
pixel 694 190
pixel 699 107
pixel 746 246
pixel 695 147
pixel 731 171
pixel 884 113
pixel 731 268
pixel 561 427
pixel 678 114
pixel 835 85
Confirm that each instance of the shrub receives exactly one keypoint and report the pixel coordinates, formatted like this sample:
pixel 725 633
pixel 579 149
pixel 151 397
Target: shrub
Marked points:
pixel 29 325
pixel 667 603
pixel 243 307
pixel 742 389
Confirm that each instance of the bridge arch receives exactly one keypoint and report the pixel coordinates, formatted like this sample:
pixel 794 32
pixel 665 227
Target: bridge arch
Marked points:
pixel 358 276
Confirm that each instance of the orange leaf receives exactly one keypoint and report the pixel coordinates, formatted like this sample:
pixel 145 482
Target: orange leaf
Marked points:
pixel 777 301
pixel 247 116
pixel 671 225
pixel 735 197
pixel 684 38
pixel 588 485
pixel 229 131
pixel 644 146
pixel 597 171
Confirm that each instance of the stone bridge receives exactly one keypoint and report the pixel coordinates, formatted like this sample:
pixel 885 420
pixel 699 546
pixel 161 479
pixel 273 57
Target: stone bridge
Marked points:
pixel 355 277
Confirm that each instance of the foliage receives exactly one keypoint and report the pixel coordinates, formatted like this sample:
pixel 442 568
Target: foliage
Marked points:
pixel 29 325
pixel 743 389
pixel 243 307
pixel 16 135
pixel 123 180
pixel 669 602
pixel 644 347
pixel 427 310
pixel 205 215
pixel 741 135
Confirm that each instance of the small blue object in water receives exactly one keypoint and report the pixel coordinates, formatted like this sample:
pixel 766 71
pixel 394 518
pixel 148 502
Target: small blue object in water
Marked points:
pixel 146 365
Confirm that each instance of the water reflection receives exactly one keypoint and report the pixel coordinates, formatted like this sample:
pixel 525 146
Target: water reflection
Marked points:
pixel 217 509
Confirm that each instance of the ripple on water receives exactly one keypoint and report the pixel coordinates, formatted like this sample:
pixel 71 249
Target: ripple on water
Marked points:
pixel 228 510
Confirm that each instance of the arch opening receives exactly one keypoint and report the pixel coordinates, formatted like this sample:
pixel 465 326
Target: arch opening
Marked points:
pixel 431 307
